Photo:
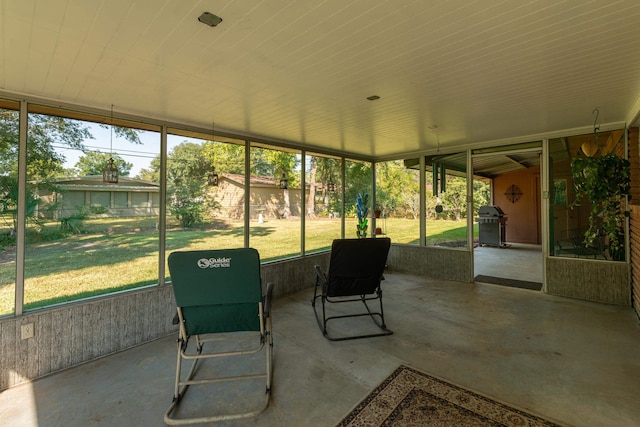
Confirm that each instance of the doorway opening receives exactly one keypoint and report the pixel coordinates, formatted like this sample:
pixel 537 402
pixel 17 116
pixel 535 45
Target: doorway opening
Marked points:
pixel 513 255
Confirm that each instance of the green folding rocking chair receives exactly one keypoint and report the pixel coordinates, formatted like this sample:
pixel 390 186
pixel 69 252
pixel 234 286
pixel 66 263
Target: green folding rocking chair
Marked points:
pixel 219 298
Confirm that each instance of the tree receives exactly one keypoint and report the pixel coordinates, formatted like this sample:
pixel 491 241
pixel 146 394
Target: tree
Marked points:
pixel 147 175
pixel 187 170
pixel 413 204
pixel 481 195
pixel 284 164
pixel 396 189
pixel 358 180
pixel 66 172
pixel 43 161
pixel 187 209
pixel 93 162
pixel 45 135
pixel 324 170
pixel 455 197
pixel 8 202
pixel 329 171
pixel 311 198
pixel 128 134
pixel 227 158
pixel 153 174
pixel 187 162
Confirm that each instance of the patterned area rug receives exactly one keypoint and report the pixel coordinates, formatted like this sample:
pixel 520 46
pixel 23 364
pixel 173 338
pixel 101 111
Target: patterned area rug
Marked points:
pixel 412 398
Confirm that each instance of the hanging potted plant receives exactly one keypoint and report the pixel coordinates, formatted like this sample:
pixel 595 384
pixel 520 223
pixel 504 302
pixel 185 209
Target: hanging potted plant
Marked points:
pixel 362 211
pixel 604 181
pixel 377 212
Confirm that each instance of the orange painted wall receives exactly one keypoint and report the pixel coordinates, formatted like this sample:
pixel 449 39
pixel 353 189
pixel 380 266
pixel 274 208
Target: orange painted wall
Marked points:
pixel 523 216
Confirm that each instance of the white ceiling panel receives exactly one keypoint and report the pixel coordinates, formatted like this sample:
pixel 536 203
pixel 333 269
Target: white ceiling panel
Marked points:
pixel 300 71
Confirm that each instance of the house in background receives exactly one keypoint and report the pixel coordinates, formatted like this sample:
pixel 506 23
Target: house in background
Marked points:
pixel 130 197
pixel 267 199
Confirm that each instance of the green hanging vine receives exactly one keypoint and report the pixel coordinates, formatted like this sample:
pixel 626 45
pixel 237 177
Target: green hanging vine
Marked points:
pixel 606 182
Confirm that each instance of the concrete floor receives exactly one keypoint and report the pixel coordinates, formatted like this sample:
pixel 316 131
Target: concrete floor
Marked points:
pixel 517 261
pixel 572 361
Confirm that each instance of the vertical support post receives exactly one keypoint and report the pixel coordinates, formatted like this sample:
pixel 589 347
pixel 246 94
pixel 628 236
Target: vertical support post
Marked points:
pixel 21 208
pixel 372 208
pixel 247 192
pixel 545 173
pixel 423 201
pixel 303 200
pixel 162 224
pixel 434 178
pixel 343 177
pixel 470 220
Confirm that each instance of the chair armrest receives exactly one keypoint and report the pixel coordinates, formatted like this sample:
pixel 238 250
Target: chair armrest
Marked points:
pixel 267 300
pixel 321 276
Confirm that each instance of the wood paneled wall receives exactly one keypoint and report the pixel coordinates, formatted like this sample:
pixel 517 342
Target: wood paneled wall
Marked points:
pixel 589 279
pixel 634 245
pixel 441 263
pixel 523 216
pixel 634 219
pixel 634 158
pixel 75 333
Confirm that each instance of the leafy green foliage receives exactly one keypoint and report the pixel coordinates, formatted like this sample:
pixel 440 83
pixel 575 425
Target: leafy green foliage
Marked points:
pixel 329 170
pixel 227 158
pixel 397 190
pixel 43 161
pixel 357 180
pixel 46 134
pixel 73 224
pixel 9 202
pixel 187 190
pixel 92 163
pixel 455 198
pixel 605 182
pixel 129 134
pixel 481 195
pixel 276 163
pixel 189 212
pixel 148 175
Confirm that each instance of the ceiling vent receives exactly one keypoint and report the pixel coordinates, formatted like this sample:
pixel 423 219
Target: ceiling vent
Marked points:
pixel 210 19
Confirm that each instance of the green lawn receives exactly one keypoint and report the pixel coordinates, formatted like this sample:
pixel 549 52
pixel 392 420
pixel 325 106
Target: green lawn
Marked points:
pixel 118 254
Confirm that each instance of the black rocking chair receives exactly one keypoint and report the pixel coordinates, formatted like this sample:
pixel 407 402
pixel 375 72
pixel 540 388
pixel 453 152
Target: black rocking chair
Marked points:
pixel 355 273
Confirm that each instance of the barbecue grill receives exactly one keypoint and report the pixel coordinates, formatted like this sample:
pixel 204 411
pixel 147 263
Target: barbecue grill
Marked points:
pixel 491 226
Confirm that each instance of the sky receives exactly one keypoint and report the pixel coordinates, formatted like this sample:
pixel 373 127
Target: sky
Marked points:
pixel 140 155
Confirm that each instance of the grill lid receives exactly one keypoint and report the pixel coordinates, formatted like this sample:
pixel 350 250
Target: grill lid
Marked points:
pixel 490 210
